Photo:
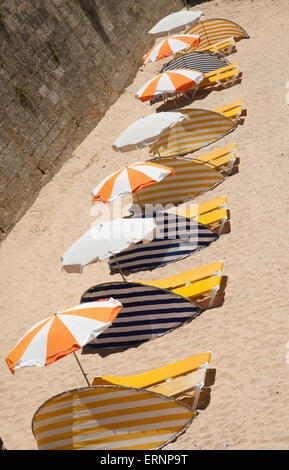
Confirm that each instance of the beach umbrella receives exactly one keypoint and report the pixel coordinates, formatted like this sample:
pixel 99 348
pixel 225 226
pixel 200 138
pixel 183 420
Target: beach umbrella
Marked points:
pixel 214 30
pixel 176 22
pixel 200 128
pixel 130 179
pixel 62 333
pixel 170 82
pixel 145 131
pixel 170 46
pixel 202 61
pixel 106 239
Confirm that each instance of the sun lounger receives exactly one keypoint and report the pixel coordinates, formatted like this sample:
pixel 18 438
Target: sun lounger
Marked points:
pixel 194 284
pixel 232 110
pixel 199 129
pixel 180 379
pixel 213 214
pixel 109 418
pixel 183 388
pixel 221 48
pixel 223 159
pixel 223 77
pixel 161 374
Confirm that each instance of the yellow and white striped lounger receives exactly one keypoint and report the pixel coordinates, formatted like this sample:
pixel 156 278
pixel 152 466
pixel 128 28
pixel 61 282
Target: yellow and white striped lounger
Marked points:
pixel 199 129
pixel 109 418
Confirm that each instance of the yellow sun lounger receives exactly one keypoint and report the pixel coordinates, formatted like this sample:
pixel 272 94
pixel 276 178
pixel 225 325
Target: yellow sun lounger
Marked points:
pixel 222 159
pixel 172 380
pixel 213 214
pixel 193 284
pixel 232 110
pixel 220 48
pixel 225 77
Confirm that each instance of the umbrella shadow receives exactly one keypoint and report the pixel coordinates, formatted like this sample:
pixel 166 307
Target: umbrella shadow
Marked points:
pixel 182 101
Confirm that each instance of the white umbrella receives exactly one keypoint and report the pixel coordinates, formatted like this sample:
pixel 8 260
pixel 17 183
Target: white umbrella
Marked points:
pixel 146 131
pixel 107 239
pixel 176 22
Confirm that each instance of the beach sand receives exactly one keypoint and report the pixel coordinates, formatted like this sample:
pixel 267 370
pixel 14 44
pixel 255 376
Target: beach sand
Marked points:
pixel 248 335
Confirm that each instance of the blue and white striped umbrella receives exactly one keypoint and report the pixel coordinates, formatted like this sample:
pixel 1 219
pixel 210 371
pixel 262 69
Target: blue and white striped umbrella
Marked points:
pixel 147 312
pixel 202 61
pixel 177 238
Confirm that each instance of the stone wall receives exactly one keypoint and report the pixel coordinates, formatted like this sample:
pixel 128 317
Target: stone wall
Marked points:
pixel 62 64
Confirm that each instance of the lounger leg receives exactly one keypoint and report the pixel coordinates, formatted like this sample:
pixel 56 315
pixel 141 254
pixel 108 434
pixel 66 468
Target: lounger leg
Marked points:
pixel 224 219
pixel 198 391
pixel 214 293
pixel 227 83
pixel 231 165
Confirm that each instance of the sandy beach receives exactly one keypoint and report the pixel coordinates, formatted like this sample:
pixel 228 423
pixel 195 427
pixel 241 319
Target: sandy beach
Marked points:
pixel 248 335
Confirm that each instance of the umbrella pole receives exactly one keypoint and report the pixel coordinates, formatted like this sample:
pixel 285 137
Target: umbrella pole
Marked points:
pixel 84 374
pixel 186 5
pixel 119 268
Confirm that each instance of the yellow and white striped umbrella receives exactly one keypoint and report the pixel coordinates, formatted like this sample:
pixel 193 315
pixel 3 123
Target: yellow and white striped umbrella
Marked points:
pixel 214 30
pixel 62 333
pixel 130 179
pixel 109 418
pixel 200 128
pixel 192 177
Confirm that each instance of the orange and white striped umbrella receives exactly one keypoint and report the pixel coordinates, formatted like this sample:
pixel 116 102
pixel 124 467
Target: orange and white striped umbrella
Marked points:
pixel 62 333
pixel 170 82
pixel 130 179
pixel 170 46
